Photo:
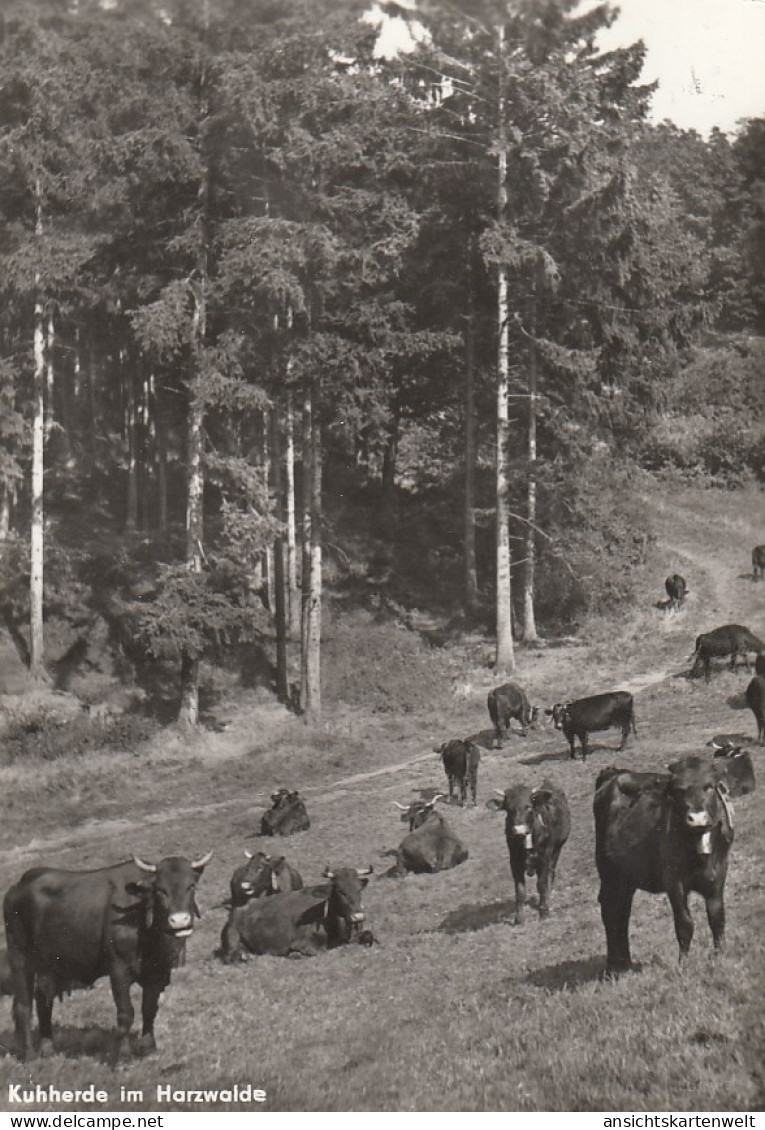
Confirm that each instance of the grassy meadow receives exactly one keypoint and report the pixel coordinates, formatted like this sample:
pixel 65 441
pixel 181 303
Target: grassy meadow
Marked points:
pixel 454 1009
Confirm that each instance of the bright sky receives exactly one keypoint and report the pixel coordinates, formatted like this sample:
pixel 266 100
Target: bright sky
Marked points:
pixel 709 55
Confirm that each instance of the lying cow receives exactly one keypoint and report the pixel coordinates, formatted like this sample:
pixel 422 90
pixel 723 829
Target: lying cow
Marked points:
pixel 66 929
pixel 431 845
pixel 677 590
pixel 755 699
pixel 505 703
pixel 287 816
pixel 537 826
pixel 461 760
pixel 729 640
pixel 758 561
pixel 287 923
pixel 599 712
pixel 262 875
pixel 737 766
pixel 657 832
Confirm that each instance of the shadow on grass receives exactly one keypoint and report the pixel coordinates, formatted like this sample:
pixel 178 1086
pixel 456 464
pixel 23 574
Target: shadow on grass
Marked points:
pixel 89 1042
pixel 737 701
pixel 569 974
pixel 470 917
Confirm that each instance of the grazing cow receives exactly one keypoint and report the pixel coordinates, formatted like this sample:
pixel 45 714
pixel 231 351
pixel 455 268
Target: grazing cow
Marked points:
pixel 758 561
pixel 262 875
pixel 461 760
pixel 677 590
pixel 755 699
pixel 286 923
pixel 730 639
pixel 737 766
pixel 287 816
pixel 759 664
pixel 537 826
pixel 657 832
pixel 506 702
pixel 599 712
pixel 431 844
pixel 66 929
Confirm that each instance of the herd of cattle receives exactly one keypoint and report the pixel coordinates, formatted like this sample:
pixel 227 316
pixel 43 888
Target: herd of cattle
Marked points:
pixel 664 832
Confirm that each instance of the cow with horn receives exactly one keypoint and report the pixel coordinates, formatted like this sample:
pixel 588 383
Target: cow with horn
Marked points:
pixel 432 844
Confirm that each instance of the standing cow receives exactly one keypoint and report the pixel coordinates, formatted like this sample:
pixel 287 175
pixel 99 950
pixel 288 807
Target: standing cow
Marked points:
pixel 657 832
pixel 729 640
pixel 758 561
pixel 461 760
pixel 598 712
pixel 505 703
pixel 66 929
pixel 677 590
pixel 537 825
pixel 755 698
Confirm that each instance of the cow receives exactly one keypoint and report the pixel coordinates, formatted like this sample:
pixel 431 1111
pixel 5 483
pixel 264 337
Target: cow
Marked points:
pixel 431 845
pixel 506 702
pixel 662 832
pixel 537 825
pixel 755 700
pixel 737 766
pixel 461 760
pixel 262 875
pixel 758 562
pixel 67 929
pixel 286 923
pixel 286 816
pixel 599 712
pixel 677 590
pixel 730 639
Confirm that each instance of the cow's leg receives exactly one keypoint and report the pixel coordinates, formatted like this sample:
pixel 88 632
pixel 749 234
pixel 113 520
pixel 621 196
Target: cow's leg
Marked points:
pixel 615 908
pixel 44 1003
pixel 463 790
pixel 451 788
pixel 625 734
pixel 585 746
pixel 149 1005
pixel 544 886
pixel 571 745
pixel 716 919
pixel 678 898
pixel 518 868
pixel 120 982
pixel 23 992
pixel 474 785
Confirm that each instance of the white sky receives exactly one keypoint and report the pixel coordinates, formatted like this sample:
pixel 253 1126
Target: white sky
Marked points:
pixel 709 55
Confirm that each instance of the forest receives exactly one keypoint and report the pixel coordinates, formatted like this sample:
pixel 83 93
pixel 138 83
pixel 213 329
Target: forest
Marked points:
pixel 285 322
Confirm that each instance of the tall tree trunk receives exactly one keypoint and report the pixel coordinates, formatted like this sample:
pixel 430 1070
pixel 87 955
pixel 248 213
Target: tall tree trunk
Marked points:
pixel 280 563
pixel 292 589
pixel 268 556
pixel 161 457
pixel 305 578
pixel 471 576
pixel 131 428
pixel 529 622
pixel 313 633
pixel 37 648
pixel 50 346
pixel 505 655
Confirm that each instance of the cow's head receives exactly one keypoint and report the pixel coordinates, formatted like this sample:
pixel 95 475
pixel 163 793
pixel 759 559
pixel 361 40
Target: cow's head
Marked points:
pixel 559 713
pixel 254 878
pixel 168 892
pixel 525 825
pixel 345 897
pixel 418 811
pixel 698 793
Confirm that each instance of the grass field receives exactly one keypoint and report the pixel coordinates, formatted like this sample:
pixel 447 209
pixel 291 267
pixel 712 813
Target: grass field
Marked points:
pixel 455 1009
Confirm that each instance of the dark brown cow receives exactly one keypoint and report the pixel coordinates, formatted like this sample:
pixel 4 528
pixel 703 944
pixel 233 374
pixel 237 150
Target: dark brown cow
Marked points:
pixel 262 875
pixel 677 590
pixel 66 929
pixel 662 832
pixel 461 760
pixel 537 826
pixel 758 561
pixel 286 923
pixel 729 640
pixel 287 815
pixel 598 712
pixel 432 844
pixel 755 698
pixel 505 703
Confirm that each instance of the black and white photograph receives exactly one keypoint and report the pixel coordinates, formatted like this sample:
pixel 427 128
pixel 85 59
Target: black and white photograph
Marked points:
pixel 382 557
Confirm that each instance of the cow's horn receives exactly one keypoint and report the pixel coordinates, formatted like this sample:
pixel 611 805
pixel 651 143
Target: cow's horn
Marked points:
pixel 368 870
pixel 150 867
pixel 438 796
pixel 406 807
pixel 499 792
pixel 198 864
pixel 714 744
pixel 247 854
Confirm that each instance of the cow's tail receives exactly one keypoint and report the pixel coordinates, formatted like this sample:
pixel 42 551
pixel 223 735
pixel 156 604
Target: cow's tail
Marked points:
pixel 632 718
